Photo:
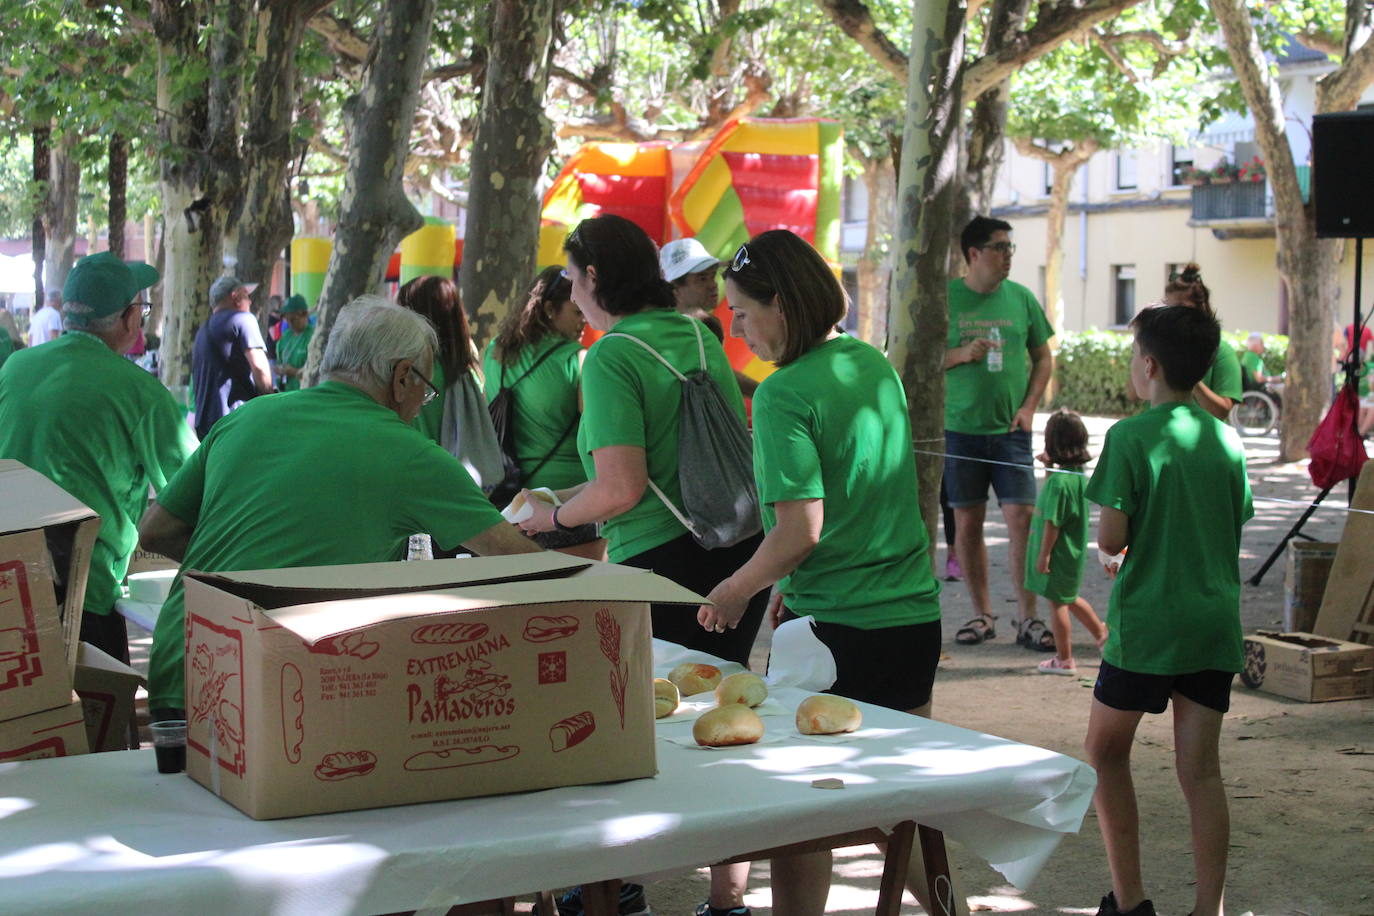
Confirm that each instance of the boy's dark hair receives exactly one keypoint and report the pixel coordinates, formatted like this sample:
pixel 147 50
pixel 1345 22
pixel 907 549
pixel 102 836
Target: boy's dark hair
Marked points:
pixel 1066 439
pixel 1182 339
pixel 628 277
pixel 979 232
pixel 1187 285
pixel 781 264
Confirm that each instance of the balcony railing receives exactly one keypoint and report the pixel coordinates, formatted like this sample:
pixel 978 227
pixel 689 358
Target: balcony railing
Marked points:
pixel 1235 200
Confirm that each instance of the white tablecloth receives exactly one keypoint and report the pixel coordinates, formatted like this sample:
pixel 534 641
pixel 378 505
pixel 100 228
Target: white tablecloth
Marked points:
pixel 105 833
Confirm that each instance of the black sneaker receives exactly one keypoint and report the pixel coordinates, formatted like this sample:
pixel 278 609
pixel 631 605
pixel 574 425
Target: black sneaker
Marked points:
pixel 707 910
pixel 1108 907
pixel 632 902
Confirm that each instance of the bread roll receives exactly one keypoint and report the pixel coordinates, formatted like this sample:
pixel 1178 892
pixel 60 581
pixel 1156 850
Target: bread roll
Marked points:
pixel 827 715
pixel 693 678
pixel 666 697
pixel 725 726
pixel 743 689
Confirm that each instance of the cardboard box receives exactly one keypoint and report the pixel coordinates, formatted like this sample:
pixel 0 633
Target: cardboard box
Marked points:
pixel 333 688
pixel 106 688
pixel 59 732
pixel 1304 582
pixel 38 632
pixel 1347 610
pixel 1310 668
pixel 145 561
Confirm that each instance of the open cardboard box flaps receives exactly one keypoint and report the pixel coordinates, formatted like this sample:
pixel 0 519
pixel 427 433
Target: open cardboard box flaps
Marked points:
pixel 46 536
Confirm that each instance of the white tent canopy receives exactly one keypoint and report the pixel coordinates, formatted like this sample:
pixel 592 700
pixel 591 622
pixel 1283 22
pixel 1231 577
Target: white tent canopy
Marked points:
pixel 16 274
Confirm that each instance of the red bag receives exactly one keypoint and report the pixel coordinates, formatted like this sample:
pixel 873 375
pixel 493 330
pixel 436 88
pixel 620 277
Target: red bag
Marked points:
pixel 1336 447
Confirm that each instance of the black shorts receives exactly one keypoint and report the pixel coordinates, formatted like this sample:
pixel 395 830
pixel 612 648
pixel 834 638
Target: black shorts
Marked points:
pixel 889 666
pixel 684 561
pixel 1131 691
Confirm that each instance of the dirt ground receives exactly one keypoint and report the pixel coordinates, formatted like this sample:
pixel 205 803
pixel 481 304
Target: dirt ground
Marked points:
pixel 1300 776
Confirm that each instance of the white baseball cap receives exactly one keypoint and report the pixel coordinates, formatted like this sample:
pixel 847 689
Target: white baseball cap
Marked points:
pixel 682 257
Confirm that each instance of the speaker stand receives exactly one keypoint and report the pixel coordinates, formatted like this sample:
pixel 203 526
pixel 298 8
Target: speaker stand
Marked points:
pixel 1352 372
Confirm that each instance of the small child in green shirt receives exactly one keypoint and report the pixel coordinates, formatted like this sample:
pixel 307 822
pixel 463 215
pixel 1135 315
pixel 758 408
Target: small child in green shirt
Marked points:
pixel 1059 536
pixel 1171 483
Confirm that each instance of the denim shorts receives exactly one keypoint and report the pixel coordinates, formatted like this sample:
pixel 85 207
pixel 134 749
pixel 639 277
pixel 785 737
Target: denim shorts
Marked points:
pixel 966 482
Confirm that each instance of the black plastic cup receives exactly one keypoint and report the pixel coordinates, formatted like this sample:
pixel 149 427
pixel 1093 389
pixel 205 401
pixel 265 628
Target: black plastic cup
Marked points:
pixel 169 744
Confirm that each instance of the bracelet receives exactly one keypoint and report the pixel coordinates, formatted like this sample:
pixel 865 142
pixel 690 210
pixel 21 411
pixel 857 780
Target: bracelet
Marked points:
pixel 559 526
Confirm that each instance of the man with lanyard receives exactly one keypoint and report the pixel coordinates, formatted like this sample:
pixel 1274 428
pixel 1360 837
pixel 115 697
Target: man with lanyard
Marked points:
pixel 102 428
pixel 342 476
pixel 997 365
pixel 229 359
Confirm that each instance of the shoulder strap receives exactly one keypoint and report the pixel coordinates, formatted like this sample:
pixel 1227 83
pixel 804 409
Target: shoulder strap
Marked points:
pixel 556 446
pixel 535 365
pixel 656 355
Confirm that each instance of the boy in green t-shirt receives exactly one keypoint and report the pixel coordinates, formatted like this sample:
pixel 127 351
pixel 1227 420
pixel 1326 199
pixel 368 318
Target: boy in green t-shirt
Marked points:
pixel 1171 484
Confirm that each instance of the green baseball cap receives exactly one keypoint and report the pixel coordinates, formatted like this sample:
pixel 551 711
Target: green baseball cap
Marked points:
pixel 105 285
pixel 295 304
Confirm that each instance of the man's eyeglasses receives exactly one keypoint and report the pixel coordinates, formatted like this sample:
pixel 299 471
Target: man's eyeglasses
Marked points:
pixel 1001 247
pixel 432 393
pixel 145 308
pixel 741 259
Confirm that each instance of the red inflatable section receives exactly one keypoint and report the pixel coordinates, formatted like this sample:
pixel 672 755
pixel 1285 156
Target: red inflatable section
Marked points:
pixel 638 198
pixel 776 191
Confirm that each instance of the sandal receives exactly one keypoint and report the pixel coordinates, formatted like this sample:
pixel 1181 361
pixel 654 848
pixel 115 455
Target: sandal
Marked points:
pixel 1055 666
pixel 977 631
pixel 1033 634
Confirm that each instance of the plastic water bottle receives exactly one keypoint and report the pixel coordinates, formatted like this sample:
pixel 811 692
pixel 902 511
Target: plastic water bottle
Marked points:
pixel 995 354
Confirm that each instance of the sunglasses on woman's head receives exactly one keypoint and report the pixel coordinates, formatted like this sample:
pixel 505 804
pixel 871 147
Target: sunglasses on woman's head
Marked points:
pixel 741 258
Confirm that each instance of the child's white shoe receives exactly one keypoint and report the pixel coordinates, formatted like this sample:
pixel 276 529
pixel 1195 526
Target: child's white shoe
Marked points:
pixel 1055 666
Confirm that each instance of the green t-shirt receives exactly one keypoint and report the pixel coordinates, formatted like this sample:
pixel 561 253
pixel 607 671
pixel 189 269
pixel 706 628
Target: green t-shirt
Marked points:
pixel 832 425
pixel 292 350
pixel 630 398
pixel 7 346
pixel 1179 474
pixel 1223 376
pixel 317 477
pixel 979 402
pixel 104 430
pixel 1251 362
pixel 544 407
pixel 430 419
pixel 1063 503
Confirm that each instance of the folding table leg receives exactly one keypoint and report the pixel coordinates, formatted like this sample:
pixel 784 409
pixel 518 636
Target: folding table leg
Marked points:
pixel 602 898
pixel 940 886
pixel 895 866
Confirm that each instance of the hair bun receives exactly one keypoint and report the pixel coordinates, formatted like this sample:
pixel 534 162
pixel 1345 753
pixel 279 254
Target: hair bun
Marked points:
pixel 1191 273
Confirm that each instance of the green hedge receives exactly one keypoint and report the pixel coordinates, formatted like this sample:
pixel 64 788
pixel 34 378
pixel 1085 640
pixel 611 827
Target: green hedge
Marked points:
pixel 1093 368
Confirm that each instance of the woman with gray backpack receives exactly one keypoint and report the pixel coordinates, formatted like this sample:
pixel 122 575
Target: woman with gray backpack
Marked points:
pixel 657 493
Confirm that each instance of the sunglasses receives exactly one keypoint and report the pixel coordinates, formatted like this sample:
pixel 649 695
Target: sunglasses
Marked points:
pixel 741 259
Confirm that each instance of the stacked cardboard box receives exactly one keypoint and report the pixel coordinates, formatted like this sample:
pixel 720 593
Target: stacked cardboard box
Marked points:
pixel 1303 666
pixel 1308 567
pixel 45 549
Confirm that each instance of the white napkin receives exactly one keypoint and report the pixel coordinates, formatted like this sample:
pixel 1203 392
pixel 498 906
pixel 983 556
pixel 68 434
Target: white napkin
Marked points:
pixel 687 741
pixel 691 708
pixel 800 659
pixel 516 516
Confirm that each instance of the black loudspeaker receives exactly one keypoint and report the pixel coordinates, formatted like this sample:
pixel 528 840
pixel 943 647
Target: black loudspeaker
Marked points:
pixel 1342 186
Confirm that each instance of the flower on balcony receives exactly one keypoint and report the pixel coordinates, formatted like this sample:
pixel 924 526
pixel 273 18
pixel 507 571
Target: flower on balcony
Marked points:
pixel 1252 171
pixel 1189 174
pixel 1223 172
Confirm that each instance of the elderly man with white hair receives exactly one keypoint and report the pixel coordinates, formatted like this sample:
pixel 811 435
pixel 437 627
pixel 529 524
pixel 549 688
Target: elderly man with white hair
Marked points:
pixel 343 478
pixel 77 411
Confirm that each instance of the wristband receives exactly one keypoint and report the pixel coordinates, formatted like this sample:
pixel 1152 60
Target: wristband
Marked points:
pixel 559 526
